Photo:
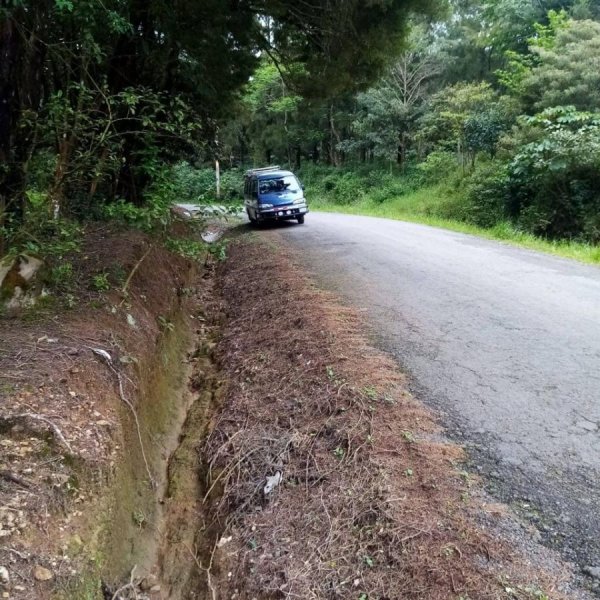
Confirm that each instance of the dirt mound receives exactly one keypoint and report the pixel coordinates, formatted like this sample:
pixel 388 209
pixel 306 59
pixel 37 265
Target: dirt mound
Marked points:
pixel 327 478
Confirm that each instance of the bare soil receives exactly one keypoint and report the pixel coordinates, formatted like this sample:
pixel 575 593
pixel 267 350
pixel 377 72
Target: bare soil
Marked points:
pixel 327 479
pixel 80 503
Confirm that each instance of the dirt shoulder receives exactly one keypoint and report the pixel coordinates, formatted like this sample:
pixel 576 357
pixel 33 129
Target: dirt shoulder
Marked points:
pixel 327 478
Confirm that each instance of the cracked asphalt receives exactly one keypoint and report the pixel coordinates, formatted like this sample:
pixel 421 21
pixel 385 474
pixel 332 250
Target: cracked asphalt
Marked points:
pixel 503 342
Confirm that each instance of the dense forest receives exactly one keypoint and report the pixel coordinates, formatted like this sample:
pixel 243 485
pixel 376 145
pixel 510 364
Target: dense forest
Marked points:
pixel 114 108
pixel 491 110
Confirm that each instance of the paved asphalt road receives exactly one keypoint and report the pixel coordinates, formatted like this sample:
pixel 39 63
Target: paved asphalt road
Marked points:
pixel 504 342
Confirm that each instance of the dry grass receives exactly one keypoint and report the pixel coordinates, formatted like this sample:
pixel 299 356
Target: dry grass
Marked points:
pixel 372 502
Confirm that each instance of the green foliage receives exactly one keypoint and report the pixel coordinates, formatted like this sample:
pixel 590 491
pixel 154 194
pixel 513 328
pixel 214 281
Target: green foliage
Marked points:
pixel 387 113
pixel 218 250
pixel 566 72
pixel 553 180
pixel 482 130
pixel 440 165
pixel 468 118
pixel 197 250
pixel 61 277
pixel 100 282
pixel 485 195
pixel 154 215
pixel 545 34
pixel 190 249
pixel 40 236
pixel 199 184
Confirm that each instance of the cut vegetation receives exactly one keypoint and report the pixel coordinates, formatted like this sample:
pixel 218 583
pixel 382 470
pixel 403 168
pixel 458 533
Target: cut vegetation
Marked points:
pixel 328 480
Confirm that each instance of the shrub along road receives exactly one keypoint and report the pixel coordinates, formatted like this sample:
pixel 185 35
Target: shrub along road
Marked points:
pixel 503 341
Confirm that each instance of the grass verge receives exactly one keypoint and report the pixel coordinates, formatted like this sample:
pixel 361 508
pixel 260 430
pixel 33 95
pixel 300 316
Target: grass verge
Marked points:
pixel 421 206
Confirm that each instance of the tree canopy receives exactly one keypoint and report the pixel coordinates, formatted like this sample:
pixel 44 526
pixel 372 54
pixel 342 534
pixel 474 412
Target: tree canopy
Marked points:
pixel 99 99
pixel 96 95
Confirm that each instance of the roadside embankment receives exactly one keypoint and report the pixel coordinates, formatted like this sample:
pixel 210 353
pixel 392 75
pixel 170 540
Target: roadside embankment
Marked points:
pixel 99 467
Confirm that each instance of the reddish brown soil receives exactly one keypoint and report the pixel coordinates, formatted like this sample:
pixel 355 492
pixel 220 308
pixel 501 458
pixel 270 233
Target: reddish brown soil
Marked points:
pixel 372 503
pixel 49 492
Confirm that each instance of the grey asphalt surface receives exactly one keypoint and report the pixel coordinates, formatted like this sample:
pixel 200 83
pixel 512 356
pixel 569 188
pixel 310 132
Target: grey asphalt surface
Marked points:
pixel 503 342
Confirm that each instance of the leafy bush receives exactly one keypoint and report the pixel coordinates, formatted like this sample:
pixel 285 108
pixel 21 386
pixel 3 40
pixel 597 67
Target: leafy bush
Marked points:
pixel 199 185
pixel 486 194
pixel 40 235
pixel 355 183
pixel 439 166
pixel 61 277
pixel 155 213
pixel 100 282
pixel 328 184
pixel 553 188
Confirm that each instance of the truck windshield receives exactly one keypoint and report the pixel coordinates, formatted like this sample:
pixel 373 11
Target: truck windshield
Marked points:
pixel 278 185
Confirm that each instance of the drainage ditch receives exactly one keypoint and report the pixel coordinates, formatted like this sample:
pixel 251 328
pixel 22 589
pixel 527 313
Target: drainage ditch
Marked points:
pixel 159 538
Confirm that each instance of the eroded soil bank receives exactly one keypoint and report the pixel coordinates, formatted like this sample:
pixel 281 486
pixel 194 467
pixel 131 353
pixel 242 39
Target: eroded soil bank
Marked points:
pixel 102 408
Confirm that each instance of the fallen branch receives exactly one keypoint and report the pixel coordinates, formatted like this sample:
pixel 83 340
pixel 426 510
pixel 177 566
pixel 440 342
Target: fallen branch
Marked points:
pixel 131 585
pixel 134 270
pixel 13 551
pixel 108 360
pixel 35 417
pixel 213 591
pixel 8 476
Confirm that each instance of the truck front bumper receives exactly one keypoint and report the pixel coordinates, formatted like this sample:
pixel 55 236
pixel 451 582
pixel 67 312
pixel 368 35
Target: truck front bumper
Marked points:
pixel 284 213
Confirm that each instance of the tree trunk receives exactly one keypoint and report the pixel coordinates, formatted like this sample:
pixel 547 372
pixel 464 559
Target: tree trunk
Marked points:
pixel 10 181
pixel 56 194
pixel 97 176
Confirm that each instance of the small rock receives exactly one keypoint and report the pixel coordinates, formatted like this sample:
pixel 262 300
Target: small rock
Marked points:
pixel 149 582
pixel 4 576
pixel 154 589
pixel 592 571
pixel 272 482
pixel 42 574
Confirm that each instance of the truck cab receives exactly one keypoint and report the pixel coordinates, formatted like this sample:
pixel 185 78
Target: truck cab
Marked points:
pixel 273 194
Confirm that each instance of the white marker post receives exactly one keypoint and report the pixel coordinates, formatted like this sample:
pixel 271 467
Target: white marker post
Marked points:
pixel 218 177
